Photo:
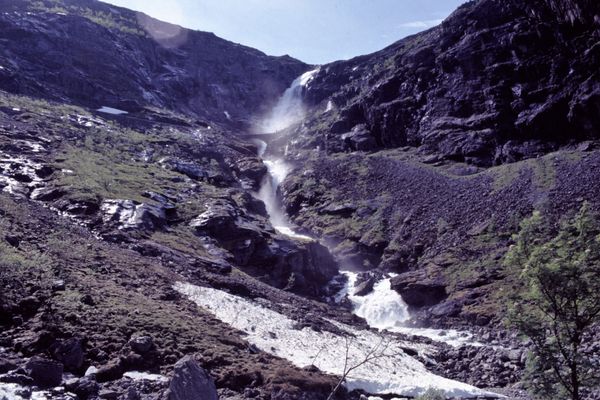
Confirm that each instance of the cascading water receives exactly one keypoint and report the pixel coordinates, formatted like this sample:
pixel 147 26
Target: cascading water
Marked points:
pixel 383 308
pixel 290 107
pixel 289 110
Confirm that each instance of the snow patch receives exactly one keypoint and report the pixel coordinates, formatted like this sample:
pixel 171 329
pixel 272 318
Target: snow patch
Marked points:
pixel 145 376
pixel 329 106
pixel 393 371
pixel 110 110
pixel 12 391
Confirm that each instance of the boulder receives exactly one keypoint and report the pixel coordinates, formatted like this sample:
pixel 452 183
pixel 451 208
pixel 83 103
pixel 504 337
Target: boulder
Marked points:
pixel 364 284
pixel 251 170
pixel 113 370
pixel 70 353
pixel 141 344
pixel 418 290
pixel 191 382
pixel 359 139
pixel 84 388
pixel 129 214
pixel 44 372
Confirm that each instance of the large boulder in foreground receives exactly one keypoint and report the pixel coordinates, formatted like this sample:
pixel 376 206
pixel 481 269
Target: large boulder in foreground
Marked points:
pixel 191 382
pixel 44 372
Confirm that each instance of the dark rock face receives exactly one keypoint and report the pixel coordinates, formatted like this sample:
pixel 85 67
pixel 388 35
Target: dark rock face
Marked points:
pixel 191 382
pixel 419 291
pixel 45 373
pixel 301 267
pixel 496 82
pixel 136 61
pixel 70 353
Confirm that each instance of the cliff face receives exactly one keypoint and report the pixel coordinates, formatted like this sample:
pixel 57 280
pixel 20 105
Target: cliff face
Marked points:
pixel 94 54
pixel 422 158
pixel 496 82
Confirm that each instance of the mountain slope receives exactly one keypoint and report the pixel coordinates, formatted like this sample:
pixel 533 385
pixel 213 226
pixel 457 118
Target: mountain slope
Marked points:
pixel 422 158
pixel 419 160
pixel 97 54
pixel 496 82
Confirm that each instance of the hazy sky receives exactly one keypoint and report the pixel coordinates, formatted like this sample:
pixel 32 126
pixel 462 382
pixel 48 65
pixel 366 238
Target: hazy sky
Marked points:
pixel 315 31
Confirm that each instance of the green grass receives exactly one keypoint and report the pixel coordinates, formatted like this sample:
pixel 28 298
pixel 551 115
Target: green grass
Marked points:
pixel 109 175
pixel 112 21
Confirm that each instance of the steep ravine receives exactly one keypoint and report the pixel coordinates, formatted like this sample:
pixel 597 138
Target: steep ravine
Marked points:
pixel 382 308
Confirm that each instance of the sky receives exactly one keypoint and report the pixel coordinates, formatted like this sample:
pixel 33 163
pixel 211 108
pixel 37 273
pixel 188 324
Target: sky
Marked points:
pixel 314 31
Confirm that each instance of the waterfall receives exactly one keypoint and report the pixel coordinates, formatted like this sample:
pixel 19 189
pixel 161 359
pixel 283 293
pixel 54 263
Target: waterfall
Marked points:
pixel 383 308
pixel 289 110
pixel 290 107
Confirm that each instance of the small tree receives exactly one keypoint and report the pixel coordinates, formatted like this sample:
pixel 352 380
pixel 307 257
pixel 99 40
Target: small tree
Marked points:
pixel 378 351
pixel 561 301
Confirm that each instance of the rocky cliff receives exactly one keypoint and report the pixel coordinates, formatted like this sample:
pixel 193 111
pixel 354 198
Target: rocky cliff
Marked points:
pixel 496 82
pixel 419 160
pixel 96 54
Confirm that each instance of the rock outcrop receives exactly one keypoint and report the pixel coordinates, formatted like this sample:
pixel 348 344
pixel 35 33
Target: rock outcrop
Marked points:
pixel 496 82
pixel 191 382
pixel 97 54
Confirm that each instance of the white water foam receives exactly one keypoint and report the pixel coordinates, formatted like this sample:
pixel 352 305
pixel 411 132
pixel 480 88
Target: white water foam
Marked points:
pixel 384 308
pixel 290 108
pixel 288 111
pixel 392 372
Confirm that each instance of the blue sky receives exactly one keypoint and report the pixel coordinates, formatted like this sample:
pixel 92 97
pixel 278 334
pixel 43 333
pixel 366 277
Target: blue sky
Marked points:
pixel 314 31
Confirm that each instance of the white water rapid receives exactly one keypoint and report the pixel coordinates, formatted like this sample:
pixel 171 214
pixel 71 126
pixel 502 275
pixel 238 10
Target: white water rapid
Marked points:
pixel 383 308
pixel 289 110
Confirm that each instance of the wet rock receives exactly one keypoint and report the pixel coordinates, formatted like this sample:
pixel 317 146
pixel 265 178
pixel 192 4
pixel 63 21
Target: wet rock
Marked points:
pixel 466 90
pixel 364 284
pixel 191 382
pixel 167 203
pixel 17 377
pixel 47 194
pixel 58 285
pixel 342 209
pixel 218 220
pixel 129 214
pixel 447 309
pixel 44 372
pixel 212 173
pixel 84 387
pixel 6 364
pixel 251 170
pixel 77 207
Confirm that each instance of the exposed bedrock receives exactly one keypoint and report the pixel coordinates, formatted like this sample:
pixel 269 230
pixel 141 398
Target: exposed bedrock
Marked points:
pixel 496 82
